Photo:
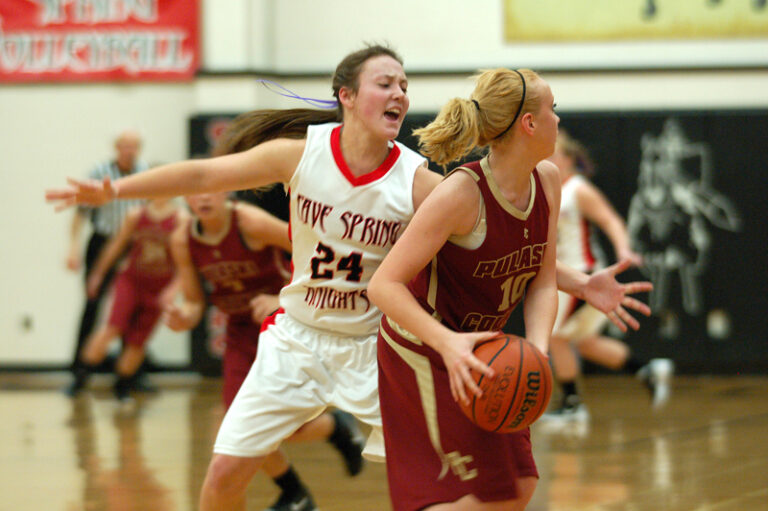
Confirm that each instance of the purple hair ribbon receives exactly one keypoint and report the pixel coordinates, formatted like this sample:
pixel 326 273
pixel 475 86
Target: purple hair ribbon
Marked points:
pixel 319 103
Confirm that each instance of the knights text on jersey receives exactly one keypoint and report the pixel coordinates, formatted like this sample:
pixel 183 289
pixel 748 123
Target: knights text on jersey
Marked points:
pixel 342 226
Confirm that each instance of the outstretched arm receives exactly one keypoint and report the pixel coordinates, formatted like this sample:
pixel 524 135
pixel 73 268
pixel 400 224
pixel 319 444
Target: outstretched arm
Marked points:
pixel 605 293
pixel 596 208
pixel 112 251
pixel 271 162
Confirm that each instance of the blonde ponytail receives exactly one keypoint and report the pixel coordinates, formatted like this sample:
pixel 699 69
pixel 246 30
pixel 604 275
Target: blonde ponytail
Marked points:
pixel 453 134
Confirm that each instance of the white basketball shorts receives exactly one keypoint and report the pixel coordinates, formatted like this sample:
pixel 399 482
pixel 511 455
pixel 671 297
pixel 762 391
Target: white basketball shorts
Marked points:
pixel 298 372
pixel 577 320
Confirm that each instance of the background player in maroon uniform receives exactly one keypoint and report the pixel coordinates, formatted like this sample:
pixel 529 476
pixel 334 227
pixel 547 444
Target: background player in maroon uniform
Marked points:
pixel 482 238
pixel 233 254
pixel 141 290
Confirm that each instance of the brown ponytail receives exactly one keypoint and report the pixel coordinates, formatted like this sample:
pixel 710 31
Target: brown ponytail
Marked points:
pixel 253 128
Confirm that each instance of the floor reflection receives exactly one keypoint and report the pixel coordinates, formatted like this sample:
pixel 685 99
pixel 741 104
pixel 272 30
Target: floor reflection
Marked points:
pixel 122 479
pixel 708 450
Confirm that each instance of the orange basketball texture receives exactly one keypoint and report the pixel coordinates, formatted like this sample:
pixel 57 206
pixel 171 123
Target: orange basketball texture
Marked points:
pixel 520 391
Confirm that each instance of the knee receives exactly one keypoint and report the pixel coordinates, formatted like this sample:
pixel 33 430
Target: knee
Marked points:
pixel 526 486
pixel 229 475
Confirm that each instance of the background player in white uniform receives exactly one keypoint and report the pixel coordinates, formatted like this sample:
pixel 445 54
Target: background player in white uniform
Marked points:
pixel 333 264
pixel 578 325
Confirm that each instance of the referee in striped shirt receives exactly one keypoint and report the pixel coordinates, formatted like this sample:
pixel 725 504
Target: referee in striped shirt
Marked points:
pixel 105 222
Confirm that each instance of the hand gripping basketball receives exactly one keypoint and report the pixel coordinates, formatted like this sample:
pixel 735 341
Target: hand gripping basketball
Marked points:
pixel 520 391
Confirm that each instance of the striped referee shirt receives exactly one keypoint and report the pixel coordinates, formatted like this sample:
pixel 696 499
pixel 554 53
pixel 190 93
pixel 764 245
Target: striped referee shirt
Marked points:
pixel 107 219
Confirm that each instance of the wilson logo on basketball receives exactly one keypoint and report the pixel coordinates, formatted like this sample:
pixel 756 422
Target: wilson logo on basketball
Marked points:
pixel 534 383
pixel 519 392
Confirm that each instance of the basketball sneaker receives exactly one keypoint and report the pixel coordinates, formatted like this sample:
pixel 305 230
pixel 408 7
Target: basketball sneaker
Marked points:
pixel 80 376
pixel 73 389
pixel 141 383
pixel 299 502
pixel 657 375
pixel 349 441
pixel 122 391
pixel 571 411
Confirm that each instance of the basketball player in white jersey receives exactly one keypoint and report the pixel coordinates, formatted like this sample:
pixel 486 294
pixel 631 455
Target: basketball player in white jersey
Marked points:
pixel 578 325
pixel 352 191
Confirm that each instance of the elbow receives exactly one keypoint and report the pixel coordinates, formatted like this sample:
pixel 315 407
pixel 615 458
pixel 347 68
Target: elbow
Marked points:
pixel 375 292
pixel 201 181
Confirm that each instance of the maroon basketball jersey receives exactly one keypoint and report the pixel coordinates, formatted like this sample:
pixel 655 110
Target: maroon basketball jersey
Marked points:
pixel 475 290
pixel 149 258
pixel 233 273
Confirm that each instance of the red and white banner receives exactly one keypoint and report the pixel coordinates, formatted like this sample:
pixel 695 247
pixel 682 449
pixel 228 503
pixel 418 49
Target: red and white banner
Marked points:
pixel 98 40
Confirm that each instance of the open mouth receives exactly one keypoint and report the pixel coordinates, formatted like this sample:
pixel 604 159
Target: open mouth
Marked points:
pixel 393 114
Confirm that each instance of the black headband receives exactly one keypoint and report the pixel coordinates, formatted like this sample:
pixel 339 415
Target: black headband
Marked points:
pixel 519 107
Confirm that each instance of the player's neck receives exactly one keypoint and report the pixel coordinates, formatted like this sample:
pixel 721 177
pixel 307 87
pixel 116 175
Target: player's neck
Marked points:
pixel 161 211
pixel 213 228
pixel 512 173
pixel 362 152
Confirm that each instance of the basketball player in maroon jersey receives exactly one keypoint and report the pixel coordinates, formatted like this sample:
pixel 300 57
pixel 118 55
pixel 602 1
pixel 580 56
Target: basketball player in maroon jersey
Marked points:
pixel 371 89
pixel 141 289
pixel 233 254
pixel 482 239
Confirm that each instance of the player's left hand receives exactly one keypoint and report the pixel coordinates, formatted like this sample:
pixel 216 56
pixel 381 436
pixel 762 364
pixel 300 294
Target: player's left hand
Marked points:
pixel 458 356
pixel 610 296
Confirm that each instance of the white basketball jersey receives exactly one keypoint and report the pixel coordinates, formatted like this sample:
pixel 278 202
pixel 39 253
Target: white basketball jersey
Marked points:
pixel 573 238
pixel 342 226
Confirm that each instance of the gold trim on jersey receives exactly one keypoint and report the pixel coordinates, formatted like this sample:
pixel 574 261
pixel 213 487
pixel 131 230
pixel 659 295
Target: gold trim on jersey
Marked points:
pixel 476 237
pixel 469 171
pixel 503 202
pixel 402 332
pixel 424 380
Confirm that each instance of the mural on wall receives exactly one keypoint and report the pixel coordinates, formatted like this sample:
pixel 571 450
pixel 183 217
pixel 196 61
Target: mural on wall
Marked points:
pixel 574 20
pixel 671 218
pixel 672 213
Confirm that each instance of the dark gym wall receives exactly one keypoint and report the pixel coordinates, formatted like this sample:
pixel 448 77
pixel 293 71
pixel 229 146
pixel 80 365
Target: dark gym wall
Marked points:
pixel 693 187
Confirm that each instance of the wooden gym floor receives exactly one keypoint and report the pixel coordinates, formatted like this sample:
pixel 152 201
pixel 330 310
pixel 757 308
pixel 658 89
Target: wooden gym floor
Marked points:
pixel 706 451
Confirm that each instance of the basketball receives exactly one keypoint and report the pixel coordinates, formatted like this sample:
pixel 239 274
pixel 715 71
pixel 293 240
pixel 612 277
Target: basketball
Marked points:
pixel 520 391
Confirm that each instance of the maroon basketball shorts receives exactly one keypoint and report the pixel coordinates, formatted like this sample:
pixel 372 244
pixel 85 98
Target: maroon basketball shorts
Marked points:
pixel 434 453
pixel 135 311
pixel 240 352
